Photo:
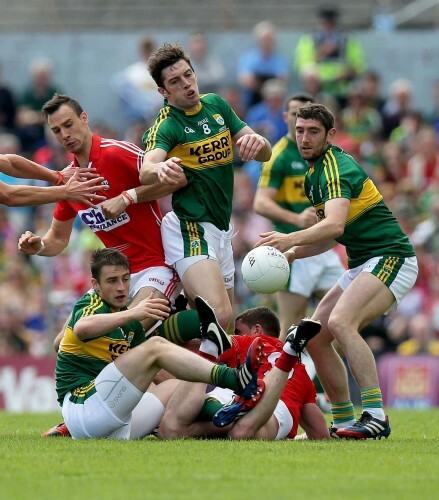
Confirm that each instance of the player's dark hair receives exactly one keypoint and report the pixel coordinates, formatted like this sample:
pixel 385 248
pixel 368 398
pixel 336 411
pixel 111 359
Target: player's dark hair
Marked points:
pixel 302 97
pixel 162 58
pixel 261 316
pixel 59 100
pixel 317 112
pixel 107 257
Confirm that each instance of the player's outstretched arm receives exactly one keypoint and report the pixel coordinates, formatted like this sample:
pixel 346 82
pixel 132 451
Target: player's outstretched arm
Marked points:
pixel 74 190
pixel 157 167
pixel 100 324
pixel 252 146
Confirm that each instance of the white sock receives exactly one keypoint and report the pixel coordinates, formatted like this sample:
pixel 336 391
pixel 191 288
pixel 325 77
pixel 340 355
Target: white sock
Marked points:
pixel 289 350
pixel 209 347
pixel 376 413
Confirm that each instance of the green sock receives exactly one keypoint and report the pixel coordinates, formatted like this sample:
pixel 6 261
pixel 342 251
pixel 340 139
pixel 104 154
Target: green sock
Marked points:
pixel 210 407
pixel 180 327
pixel 371 398
pixel 342 413
pixel 223 376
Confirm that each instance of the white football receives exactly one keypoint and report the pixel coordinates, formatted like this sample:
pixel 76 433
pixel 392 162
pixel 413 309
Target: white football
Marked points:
pixel 265 270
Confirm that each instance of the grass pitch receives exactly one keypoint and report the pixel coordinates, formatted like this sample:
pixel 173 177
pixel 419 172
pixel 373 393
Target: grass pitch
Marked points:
pixel 404 467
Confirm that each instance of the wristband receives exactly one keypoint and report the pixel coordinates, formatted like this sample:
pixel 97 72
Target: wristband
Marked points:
pixel 43 246
pixel 60 178
pixel 129 197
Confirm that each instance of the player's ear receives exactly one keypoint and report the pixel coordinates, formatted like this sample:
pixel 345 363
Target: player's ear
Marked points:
pixel 163 91
pixel 331 134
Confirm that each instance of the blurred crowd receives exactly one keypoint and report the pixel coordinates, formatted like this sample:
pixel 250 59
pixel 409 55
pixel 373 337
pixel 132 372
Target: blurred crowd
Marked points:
pixel 396 143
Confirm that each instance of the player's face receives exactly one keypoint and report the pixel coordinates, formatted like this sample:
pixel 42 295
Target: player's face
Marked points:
pixel 290 117
pixel 113 285
pixel 180 86
pixel 242 328
pixel 70 130
pixel 312 139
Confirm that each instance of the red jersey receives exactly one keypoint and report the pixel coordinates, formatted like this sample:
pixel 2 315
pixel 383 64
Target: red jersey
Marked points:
pixel 299 389
pixel 136 232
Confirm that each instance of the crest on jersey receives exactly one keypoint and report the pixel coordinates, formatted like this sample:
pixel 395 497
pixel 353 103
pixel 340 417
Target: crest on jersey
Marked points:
pixel 219 119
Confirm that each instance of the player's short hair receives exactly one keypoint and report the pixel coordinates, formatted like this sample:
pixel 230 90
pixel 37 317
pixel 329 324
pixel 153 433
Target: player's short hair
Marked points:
pixel 261 316
pixel 162 58
pixel 59 100
pixel 318 112
pixel 303 97
pixel 107 257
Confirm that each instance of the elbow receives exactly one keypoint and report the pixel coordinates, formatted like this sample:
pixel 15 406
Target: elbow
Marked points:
pixel 80 331
pixel 338 230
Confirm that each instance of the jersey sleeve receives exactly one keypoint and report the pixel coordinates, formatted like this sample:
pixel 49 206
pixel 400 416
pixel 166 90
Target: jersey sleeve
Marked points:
pixel 271 174
pixel 339 178
pixel 234 123
pixel 161 135
pixel 64 211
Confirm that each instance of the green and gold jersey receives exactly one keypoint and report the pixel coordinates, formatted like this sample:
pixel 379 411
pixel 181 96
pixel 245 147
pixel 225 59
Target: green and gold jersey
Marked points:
pixel 371 228
pixel 80 361
pixel 286 171
pixel 203 141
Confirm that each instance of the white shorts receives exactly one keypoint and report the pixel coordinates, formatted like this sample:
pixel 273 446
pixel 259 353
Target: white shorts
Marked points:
pixel 315 274
pixel 116 410
pixel 281 413
pixel 186 242
pixel 397 273
pixel 162 278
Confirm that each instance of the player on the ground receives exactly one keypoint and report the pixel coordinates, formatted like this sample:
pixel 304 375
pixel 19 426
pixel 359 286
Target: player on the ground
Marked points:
pixel 382 269
pixel 280 197
pixel 194 135
pixel 70 184
pixel 129 221
pixel 105 367
pixel 289 398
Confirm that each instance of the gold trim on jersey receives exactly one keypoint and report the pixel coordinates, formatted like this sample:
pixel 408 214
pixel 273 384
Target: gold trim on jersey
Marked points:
pixel 330 169
pixel 103 348
pixel 194 238
pixel 268 165
pixel 387 269
pixel 95 303
pixel 214 151
pixel 152 136
pixel 292 190
pixel 369 197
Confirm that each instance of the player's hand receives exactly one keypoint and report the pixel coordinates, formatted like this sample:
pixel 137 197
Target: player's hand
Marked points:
pixel 274 239
pixel 84 173
pixel 249 146
pixel 307 218
pixel 169 171
pixel 290 255
pixel 81 191
pixel 112 208
pixel 153 308
pixel 29 243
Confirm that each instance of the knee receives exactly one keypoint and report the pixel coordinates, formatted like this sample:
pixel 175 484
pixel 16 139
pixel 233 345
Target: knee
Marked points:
pixel 224 314
pixel 241 430
pixel 337 326
pixel 153 347
pixel 169 428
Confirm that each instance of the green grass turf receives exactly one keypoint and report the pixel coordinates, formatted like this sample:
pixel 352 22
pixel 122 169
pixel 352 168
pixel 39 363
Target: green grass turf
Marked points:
pixel 405 466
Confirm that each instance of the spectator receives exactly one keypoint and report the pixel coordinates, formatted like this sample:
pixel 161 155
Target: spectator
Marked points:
pixel 370 88
pixel 30 119
pixel 397 105
pixel 208 68
pixel 421 337
pixel 136 89
pixel 7 106
pixel 337 56
pixel 423 166
pixel 260 64
pixel 267 115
